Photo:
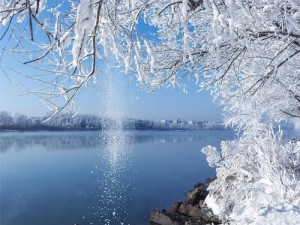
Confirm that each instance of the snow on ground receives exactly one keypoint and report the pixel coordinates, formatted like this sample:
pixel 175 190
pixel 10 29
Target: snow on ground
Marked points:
pixel 284 216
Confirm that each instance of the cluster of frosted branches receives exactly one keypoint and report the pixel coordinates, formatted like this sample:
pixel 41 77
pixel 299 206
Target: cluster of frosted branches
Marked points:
pixel 258 174
pixel 242 48
pixel 246 53
pixel 257 46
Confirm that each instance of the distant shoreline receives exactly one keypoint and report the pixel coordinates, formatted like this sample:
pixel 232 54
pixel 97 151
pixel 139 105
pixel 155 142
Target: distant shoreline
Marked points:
pixel 74 129
pixel 65 122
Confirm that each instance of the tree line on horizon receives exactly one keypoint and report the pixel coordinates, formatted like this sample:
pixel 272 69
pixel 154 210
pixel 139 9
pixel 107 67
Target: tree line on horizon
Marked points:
pixel 93 122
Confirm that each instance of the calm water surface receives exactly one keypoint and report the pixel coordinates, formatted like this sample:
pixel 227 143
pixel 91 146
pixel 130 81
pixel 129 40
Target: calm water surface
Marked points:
pixel 63 178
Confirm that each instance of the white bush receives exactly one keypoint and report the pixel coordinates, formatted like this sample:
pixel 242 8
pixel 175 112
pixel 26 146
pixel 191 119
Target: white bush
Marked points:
pixel 259 175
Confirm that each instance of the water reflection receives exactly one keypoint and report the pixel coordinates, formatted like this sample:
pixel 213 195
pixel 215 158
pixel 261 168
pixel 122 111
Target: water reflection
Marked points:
pixel 104 180
pixel 115 177
pixel 51 141
pixel 57 141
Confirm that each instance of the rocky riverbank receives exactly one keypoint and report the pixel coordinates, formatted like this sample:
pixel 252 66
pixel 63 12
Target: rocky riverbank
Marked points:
pixel 191 211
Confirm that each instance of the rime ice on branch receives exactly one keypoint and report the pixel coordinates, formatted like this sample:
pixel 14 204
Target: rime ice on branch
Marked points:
pixel 246 53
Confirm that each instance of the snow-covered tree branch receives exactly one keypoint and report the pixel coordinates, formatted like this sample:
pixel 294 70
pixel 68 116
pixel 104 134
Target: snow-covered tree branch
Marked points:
pixel 247 53
pixel 241 48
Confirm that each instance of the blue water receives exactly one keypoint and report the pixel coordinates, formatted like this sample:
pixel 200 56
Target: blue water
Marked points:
pixel 60 178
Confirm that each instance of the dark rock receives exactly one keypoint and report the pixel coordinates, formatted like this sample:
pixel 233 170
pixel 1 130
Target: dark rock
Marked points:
pixel 203 213
pixel 209 215
pixel 193 211
pixel 174 207
pixel 208 181
pixel 198 185
pixel 160 218
pixel 201 203
pixel 194 196
pixel 193 221
pixel 189 216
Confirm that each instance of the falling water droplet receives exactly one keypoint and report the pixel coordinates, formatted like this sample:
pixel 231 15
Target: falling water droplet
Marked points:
pixel 114 164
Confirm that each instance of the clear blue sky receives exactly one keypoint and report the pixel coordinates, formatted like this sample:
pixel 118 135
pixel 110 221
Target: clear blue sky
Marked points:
pixel 162 104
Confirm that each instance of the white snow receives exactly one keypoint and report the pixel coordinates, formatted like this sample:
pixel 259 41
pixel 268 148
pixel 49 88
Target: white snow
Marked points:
pixel 245 52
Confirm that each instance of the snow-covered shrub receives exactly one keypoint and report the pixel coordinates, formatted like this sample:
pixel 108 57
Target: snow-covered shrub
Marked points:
pixel 213 155
pixel 246 53
pixel 257 178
